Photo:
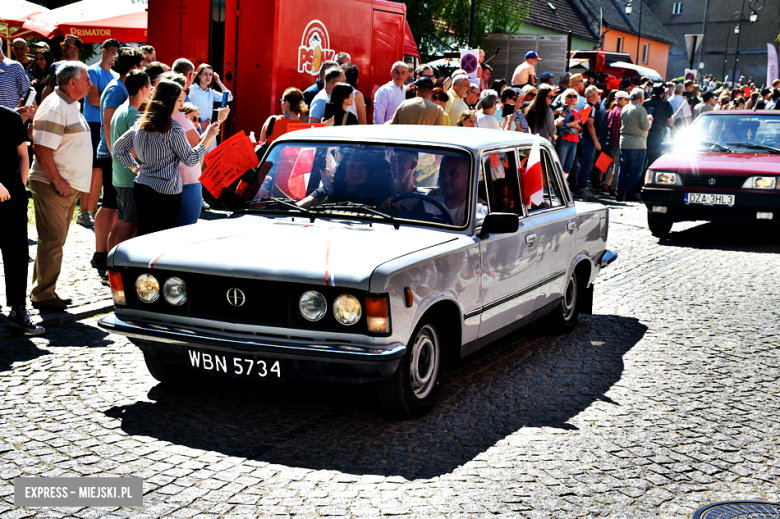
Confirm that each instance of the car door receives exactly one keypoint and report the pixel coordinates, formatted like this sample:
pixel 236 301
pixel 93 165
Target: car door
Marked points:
pixel 554 223
pixel 509 262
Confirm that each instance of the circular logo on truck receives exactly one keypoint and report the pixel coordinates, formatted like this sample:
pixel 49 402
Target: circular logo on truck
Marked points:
pixel 314 49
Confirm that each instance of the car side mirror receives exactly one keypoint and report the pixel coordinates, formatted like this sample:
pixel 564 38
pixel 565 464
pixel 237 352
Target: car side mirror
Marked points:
pixel 499 223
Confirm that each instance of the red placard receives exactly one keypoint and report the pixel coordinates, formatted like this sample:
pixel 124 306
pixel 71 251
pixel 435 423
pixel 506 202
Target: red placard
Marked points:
pixel 227 162
pixel 603 162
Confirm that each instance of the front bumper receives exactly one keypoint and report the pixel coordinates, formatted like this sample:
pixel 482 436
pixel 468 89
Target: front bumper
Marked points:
pixel 748 203
pixel 326 361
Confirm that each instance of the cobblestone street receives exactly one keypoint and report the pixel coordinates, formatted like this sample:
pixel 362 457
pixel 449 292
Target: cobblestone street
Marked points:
pixel 664 400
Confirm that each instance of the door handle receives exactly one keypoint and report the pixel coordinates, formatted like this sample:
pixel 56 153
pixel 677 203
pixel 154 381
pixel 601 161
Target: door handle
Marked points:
pixel 571 226
pixel 530 239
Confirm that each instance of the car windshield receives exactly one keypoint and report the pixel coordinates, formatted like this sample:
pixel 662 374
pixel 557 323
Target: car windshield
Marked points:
pixel 372 181
pixel 743 133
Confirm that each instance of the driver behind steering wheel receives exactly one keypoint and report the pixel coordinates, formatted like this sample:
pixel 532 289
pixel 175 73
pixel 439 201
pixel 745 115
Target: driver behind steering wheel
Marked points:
pixel 402 166
pixel 453 190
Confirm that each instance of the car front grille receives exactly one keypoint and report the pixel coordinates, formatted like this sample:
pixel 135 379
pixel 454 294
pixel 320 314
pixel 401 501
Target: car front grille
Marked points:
pixel 722 182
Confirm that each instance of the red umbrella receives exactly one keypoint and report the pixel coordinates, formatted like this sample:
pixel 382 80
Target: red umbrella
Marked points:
pixel 94 21
pixel 13 14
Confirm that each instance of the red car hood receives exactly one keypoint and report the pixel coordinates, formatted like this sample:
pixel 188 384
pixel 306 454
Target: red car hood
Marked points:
pixel 731 164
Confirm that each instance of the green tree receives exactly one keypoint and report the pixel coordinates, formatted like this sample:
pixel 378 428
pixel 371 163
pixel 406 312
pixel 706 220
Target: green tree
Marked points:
pixel 443 24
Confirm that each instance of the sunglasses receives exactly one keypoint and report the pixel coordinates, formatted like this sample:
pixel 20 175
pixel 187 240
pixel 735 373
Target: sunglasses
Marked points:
pixel 571 97
pixel 67 45
pixel 551 96
pixel 194 119
pixel 531 94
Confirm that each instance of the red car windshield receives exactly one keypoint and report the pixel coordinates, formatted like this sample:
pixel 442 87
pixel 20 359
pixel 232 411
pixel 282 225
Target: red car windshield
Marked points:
pixel 746 133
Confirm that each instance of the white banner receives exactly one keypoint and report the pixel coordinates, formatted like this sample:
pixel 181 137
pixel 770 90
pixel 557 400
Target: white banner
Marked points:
pixel 771 67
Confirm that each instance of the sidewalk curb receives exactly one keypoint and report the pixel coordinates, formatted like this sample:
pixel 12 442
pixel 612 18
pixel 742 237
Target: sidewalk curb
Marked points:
pixel 52 319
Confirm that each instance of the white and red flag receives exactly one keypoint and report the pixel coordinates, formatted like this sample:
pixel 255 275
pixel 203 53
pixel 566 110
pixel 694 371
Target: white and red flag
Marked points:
pixel 532 177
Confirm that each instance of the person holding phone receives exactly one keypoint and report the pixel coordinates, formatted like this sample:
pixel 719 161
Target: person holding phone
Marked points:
pixel 203 95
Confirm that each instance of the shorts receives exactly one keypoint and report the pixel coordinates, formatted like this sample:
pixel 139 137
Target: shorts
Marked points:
pixel 95 129
pixel 128 210
pixel 109 191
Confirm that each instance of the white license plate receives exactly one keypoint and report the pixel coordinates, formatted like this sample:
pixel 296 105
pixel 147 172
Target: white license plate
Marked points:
pixel 709 199
pixel 234 365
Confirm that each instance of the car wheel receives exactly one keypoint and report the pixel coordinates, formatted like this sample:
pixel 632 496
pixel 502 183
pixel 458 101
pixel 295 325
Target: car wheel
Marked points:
pixel 660 226
pixel 414 388
pixel 565 315
pixel 164 372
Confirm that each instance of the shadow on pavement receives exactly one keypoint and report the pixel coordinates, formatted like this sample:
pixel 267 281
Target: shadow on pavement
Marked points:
pixel 525 380
pixel 23 348
pixel 727 237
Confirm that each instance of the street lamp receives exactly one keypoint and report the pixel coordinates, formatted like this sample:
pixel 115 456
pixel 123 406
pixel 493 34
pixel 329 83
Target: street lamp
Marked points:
pixel 735 19
pixel 629 8
pixel 755 6
pixel 736 29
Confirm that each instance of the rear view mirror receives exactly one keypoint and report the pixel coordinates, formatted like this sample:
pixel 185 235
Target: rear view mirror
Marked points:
pixel 499 223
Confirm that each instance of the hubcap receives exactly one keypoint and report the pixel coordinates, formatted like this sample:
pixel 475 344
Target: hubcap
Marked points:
pixel 424 361
pixel 570 298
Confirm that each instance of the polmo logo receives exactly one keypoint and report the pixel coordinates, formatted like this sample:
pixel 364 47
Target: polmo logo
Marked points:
pixel 314 49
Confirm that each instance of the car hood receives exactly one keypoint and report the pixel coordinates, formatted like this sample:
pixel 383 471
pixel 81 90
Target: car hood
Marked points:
pixel 326 252
pixel 733 164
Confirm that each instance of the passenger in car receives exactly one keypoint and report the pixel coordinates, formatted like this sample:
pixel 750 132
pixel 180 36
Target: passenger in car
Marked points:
pixel 361 176
pixel 403 163
pixel 453 190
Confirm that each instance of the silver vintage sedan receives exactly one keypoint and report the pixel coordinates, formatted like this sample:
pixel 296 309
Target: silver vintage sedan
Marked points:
pixel 365 254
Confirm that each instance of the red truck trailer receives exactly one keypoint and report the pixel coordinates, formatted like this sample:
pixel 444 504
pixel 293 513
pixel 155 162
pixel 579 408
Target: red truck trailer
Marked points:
pixel 262 47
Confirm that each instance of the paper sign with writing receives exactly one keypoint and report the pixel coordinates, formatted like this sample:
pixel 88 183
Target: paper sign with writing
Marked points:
pixel 291 127
pixel 603 162
pixel 227 162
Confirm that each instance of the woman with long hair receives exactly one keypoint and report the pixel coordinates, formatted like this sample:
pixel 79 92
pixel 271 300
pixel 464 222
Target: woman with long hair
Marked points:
pixel 202 92
pixel 569 131
pixel 43 62
pixel 539 114
pixel 351 73
pixel 160 143
pixel 294 110
pixel 342 97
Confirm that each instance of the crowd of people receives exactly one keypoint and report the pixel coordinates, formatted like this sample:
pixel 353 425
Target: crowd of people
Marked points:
pixel 130 133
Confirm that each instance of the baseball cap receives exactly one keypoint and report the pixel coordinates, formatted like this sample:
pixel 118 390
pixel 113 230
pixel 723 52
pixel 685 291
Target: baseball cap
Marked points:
pixel 41 45
pixel 424 82
pixel 621 94
pixel 546 75
pixel 592 89
pixel 576 78
pixel 532 55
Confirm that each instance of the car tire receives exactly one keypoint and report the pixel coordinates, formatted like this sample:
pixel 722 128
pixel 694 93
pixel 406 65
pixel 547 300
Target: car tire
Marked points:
pixel 566 313
pixel 660 226
pixel 414 388
pixel 165 372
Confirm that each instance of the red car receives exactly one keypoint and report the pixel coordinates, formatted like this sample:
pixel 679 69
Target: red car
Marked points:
pixel 724 167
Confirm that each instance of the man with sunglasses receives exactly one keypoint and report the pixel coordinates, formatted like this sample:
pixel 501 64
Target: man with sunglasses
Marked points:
pixel 71 47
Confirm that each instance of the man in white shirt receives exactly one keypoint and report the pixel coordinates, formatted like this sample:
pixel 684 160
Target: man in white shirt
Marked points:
pixel 391 94
pixel 680 107
pixel 453 190
pixel 333 77
pixel 524 73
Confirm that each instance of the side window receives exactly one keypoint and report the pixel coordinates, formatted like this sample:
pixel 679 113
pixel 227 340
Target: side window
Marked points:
pixel 499 185
pixel 552 192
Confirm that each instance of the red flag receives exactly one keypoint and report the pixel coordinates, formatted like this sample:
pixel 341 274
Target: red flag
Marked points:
pixel 532 177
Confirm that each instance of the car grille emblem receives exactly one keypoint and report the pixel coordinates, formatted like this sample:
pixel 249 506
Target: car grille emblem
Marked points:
pixel 711 181
pixel 236 297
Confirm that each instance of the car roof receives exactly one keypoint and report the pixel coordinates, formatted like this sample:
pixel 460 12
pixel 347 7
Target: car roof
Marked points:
pixel 776 113
pixel 473 139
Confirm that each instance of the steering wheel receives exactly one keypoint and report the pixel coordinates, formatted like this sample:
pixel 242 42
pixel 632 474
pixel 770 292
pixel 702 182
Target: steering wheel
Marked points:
pixel 445 215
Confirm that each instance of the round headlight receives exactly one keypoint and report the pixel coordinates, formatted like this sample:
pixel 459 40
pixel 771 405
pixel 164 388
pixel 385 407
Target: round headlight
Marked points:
pixel 312 305
pixel 175 291
pixel 147 287
pixel 347 309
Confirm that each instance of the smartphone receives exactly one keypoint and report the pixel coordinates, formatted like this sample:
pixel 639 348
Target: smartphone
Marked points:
pixel 29 98
pixel 330 109
pixel 224 99
pixel 650 110
pixel 507 110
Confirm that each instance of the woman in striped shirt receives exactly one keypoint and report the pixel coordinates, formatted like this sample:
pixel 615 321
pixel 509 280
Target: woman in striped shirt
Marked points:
pixel 160 143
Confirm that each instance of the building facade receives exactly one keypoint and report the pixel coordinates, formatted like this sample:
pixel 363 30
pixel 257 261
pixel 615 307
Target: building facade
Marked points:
pixel 719 47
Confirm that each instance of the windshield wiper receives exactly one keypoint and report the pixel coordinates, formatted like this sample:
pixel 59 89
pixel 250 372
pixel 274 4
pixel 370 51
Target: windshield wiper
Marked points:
pixel 716 145
pixel 286 202
pixel 355 206
pixel 754 146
